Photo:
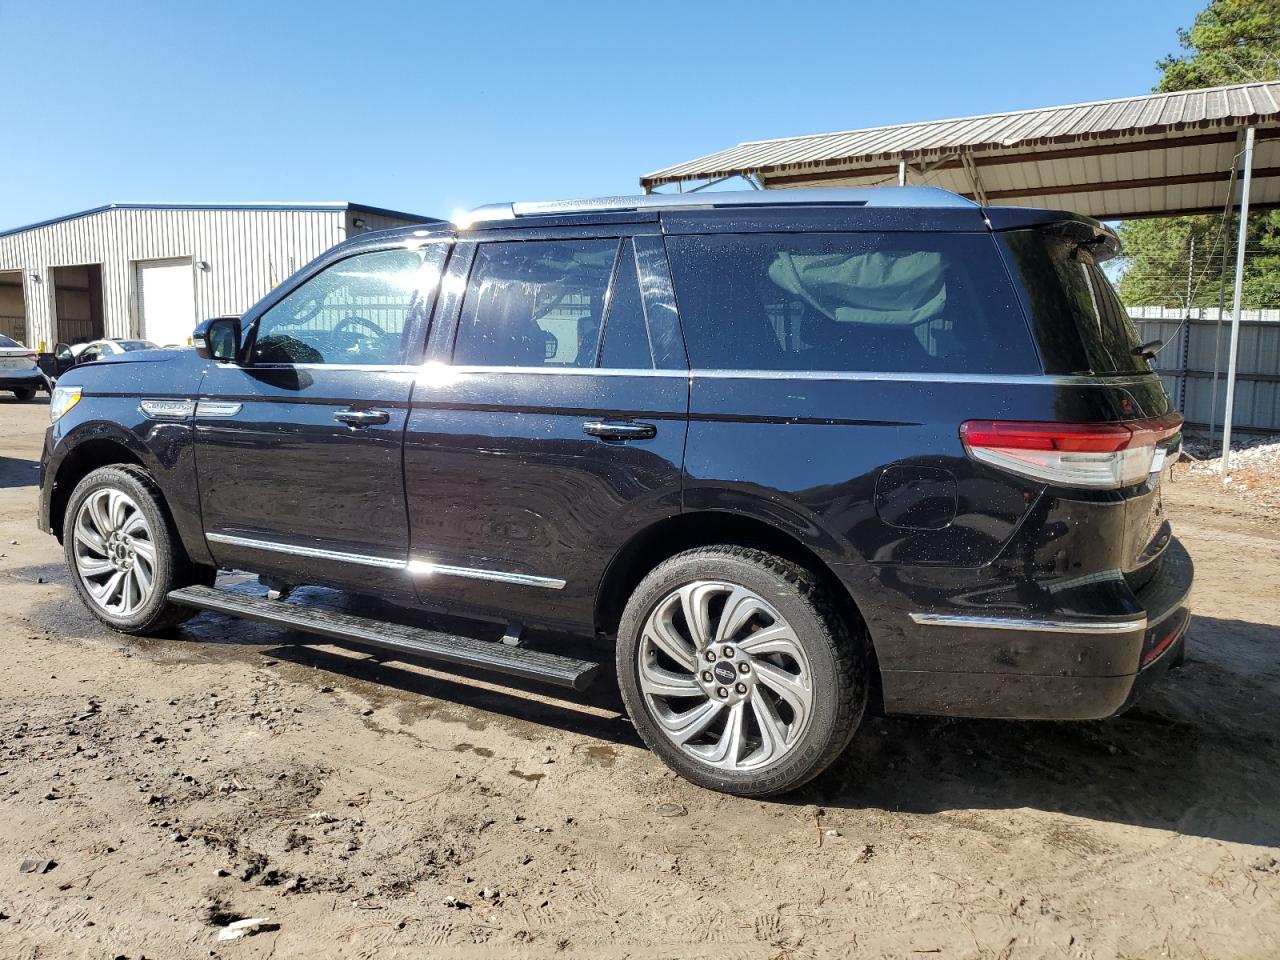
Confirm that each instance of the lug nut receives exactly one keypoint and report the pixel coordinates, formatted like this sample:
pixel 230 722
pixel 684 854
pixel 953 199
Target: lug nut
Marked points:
pixel 727 651
pixel 721 692
pixel 741 688
pixel 744 667
pixel 706 676
pixel 711 655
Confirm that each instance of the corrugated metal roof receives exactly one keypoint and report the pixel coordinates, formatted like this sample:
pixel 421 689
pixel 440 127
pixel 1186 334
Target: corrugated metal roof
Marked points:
pixel 266 205
pixel 1155 116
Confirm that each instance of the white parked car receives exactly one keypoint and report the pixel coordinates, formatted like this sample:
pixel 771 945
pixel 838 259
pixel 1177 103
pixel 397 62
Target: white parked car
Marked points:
pixel 67 356
pixel 19 371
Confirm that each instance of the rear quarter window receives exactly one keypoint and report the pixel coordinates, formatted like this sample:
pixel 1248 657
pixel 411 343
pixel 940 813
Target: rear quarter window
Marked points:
pixel 1079 322
pixel 892 302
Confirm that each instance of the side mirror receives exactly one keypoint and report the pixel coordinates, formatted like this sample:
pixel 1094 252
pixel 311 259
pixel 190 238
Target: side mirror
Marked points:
pixel 218 339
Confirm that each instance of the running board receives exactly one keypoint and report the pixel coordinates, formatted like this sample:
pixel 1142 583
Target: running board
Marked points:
pixel 413 641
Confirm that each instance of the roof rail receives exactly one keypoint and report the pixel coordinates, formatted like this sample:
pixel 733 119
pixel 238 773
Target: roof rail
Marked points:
pixel 854 197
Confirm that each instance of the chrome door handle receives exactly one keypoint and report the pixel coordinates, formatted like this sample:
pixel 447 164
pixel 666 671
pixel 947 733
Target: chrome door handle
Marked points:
pixel 620 430
pixel 361 418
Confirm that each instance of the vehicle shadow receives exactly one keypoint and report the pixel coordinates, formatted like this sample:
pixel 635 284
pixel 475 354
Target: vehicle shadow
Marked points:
pixel 40 399
pixel 17 472
pixel 596 712
pixel 517 700
pixel 1199 755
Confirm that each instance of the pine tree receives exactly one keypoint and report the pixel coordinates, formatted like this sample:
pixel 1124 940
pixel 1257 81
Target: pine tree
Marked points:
pixel 1231 41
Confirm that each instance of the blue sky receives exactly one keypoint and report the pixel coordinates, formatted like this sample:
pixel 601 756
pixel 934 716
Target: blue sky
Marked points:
pixel 434 107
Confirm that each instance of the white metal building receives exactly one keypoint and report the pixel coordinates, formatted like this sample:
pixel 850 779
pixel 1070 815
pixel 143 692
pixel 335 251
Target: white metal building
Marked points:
pixel 152 271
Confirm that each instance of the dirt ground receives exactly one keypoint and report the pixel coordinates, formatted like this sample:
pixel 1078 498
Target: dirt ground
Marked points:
pixel 379 809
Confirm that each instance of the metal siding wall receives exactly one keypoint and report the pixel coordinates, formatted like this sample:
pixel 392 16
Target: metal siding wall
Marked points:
pixel 1257 408
pixel 248 252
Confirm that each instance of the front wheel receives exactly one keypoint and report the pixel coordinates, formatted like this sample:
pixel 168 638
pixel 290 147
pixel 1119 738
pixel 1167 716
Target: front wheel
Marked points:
pixel 123 552
pixel 737 670
pixel 24 394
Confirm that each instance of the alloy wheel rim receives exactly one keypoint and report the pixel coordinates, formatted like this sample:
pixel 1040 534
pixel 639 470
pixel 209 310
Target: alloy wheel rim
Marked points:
pixel 115 552
pixel 724 676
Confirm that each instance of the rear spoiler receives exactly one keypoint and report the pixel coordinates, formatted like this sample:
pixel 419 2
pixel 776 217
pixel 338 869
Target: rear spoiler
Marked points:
pixel 1085 231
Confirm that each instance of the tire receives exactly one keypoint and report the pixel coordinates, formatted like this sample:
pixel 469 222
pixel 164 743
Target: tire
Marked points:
pixel 25 394
pixel 799 670
pixel 123 552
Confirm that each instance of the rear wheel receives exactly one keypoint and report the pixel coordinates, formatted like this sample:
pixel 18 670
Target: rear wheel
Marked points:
pixel 25 393
pixel 737 670
pixel 123 552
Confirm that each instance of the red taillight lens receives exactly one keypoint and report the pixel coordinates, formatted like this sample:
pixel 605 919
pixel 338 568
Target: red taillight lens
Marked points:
pixel 33 357
pixel 1096 455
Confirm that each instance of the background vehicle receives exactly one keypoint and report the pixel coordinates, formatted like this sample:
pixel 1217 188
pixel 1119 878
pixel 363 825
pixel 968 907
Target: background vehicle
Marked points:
pixel 66 356
pixel 19 371
pixel 786 448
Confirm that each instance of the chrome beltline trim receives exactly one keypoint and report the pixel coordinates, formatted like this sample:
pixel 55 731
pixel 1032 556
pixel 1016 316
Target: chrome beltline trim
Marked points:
pixel 924 378
pixel 427 568
pixel 435 372
pixel 314 552
pixel 356 367
pixel 416 568
pixel 1034 626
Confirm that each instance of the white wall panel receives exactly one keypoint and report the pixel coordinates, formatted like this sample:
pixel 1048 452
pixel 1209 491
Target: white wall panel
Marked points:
pixel 247 252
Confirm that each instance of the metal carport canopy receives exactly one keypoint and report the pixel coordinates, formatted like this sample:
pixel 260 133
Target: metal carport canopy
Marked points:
pixel 1163 154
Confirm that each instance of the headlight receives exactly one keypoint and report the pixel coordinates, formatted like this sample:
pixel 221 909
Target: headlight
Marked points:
pixel 63 399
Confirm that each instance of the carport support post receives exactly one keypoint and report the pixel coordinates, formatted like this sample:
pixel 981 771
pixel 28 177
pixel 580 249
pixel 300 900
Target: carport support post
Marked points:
pixel 1235 305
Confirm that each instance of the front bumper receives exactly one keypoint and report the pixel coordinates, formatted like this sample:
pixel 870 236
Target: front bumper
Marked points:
pixel 1051 674
pixel 44 509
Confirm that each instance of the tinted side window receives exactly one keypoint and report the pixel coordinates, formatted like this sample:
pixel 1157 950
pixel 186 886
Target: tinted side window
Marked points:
pixel 535 303
pixel 626 339
pixel 889 302
pixel 1079 321
pixel 355 311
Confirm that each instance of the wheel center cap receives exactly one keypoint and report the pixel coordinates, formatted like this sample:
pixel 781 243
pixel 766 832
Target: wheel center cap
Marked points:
pixel 724 672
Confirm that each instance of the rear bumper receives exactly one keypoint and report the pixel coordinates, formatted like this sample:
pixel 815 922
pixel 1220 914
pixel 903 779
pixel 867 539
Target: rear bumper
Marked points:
pixel 1047 669
pixel 22 379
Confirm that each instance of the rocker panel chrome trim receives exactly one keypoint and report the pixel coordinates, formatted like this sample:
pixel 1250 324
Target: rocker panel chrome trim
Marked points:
pixel 416 568
pixel 315 553
pixel 427 568
pixel 1033 626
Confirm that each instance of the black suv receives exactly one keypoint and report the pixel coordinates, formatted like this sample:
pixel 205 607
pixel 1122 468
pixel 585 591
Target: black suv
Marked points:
pixel 786 450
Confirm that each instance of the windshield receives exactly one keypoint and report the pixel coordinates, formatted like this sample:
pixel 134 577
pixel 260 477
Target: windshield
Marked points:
pixel 1080 323
pixel 130 345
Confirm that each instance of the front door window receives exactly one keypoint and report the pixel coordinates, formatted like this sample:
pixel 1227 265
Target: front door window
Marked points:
pixel 354 312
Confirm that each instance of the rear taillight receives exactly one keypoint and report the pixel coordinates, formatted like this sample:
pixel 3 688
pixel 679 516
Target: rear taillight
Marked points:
pixel 1095 455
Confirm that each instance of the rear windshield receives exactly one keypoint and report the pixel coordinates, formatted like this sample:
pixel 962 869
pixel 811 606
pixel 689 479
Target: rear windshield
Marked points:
pixel 1079 322
pixel 911 303
pixel 131 345
pixel 8 341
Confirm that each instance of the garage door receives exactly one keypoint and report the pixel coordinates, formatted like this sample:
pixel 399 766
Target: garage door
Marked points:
pixel 166 301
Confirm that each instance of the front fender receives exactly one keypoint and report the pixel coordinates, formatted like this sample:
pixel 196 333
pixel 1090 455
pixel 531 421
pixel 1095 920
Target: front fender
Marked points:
pixel 113 429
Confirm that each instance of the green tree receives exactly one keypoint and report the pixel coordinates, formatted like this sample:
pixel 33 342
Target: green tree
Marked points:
pixel 1231 41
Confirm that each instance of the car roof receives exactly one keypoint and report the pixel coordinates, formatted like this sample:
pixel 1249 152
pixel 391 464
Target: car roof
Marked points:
pixel 892 207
